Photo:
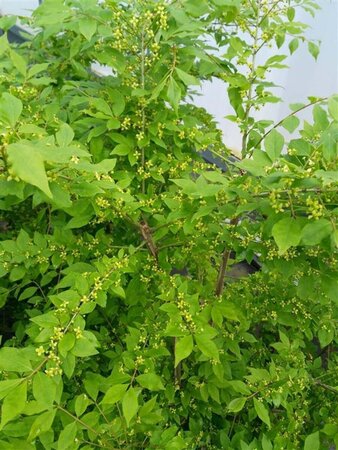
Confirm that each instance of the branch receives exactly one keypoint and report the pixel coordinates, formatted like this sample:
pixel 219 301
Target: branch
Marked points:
pixel 147 236
pixel 326 386
pixel 289 115
pixel 223 266
pixel 221 273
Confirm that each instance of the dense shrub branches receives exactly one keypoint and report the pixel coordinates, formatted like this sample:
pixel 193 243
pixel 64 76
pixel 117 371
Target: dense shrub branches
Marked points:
pixel 133 312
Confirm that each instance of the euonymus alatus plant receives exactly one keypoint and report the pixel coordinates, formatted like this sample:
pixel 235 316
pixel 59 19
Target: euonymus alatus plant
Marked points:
pixel 124 324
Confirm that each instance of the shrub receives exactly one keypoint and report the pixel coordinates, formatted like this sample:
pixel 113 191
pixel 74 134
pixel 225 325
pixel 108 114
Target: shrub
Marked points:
pixel 127 322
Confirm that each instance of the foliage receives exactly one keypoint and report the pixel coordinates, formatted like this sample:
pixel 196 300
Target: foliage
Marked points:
pixel 126 323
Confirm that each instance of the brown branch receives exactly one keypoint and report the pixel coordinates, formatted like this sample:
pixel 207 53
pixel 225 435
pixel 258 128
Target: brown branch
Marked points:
pixel 325 386
pixel 147 236
pixel 221 273
pixel 223 266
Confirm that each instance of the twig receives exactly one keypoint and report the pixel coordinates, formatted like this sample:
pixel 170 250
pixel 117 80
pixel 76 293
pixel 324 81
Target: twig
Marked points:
pixel 325 386
pixel 223 266
pixel 320 100
pixel 221 273
pixel 147 236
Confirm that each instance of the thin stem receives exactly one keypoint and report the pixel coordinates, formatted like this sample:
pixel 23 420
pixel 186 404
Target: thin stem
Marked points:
pixel 291 206
pixel 251 78
pixel 267 14
pixel 88 427
pixel 221 273
pixel 232 425
pixel 84 441
pixel 223 266
pixel 40 289
pixel 101 412
pixel 36 370
pixel 178 244
pixel 326 386
pixel 320 100
pixel 300 191
pixel 143 111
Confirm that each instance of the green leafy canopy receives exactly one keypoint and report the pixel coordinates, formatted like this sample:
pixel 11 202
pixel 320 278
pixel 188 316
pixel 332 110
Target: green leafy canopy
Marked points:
pixel 149 299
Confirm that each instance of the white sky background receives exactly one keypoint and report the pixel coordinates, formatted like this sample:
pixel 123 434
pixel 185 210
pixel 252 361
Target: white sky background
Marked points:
pixel 304 77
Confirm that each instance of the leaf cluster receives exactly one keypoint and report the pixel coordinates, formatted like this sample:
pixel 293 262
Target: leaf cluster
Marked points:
pixel 152 301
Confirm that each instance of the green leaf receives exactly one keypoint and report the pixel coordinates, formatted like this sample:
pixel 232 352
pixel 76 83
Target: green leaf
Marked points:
pixel 207 346
pixel 44 389
pixel 274 143
pixel 122 150
pixel 28 293
pixel 115 394
pixel 17 273
pixel 293 45
pixel 130 404
pixel 186 78
pixel 75 46
pixel 314 232
pixel 101 105
pixel 150 381
pixel 6 22
pixel 148 406
pixel 66 343
pixel 266 443
pixel 233 3
pixel 67 436
pixel 183 348
pixel 291 123
pixel 46 320
pixel 312 442
pixel 118 102
pixel 113 124
pixel 65 135
pixel 41 424
pixel 14 403
pixel 81 403
pixel 188 186
pixel 3 43
pixel 85 345
pixel 173 93
pixel 14 360
pixel 19 62
pixel 326 336
pixel 37 68
pixel 333 107
pixel 87 28
pixel 230 311
pixel 197 8
pixel 92 384
pixel 287 233
pixel 313 49
pixel 262 412
pixel 10 109
pixel 8 385
pixel 320 118
pixel 33 173
pixel 291 13
pixel 237 404
pixel 78 222
pixel 302 147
